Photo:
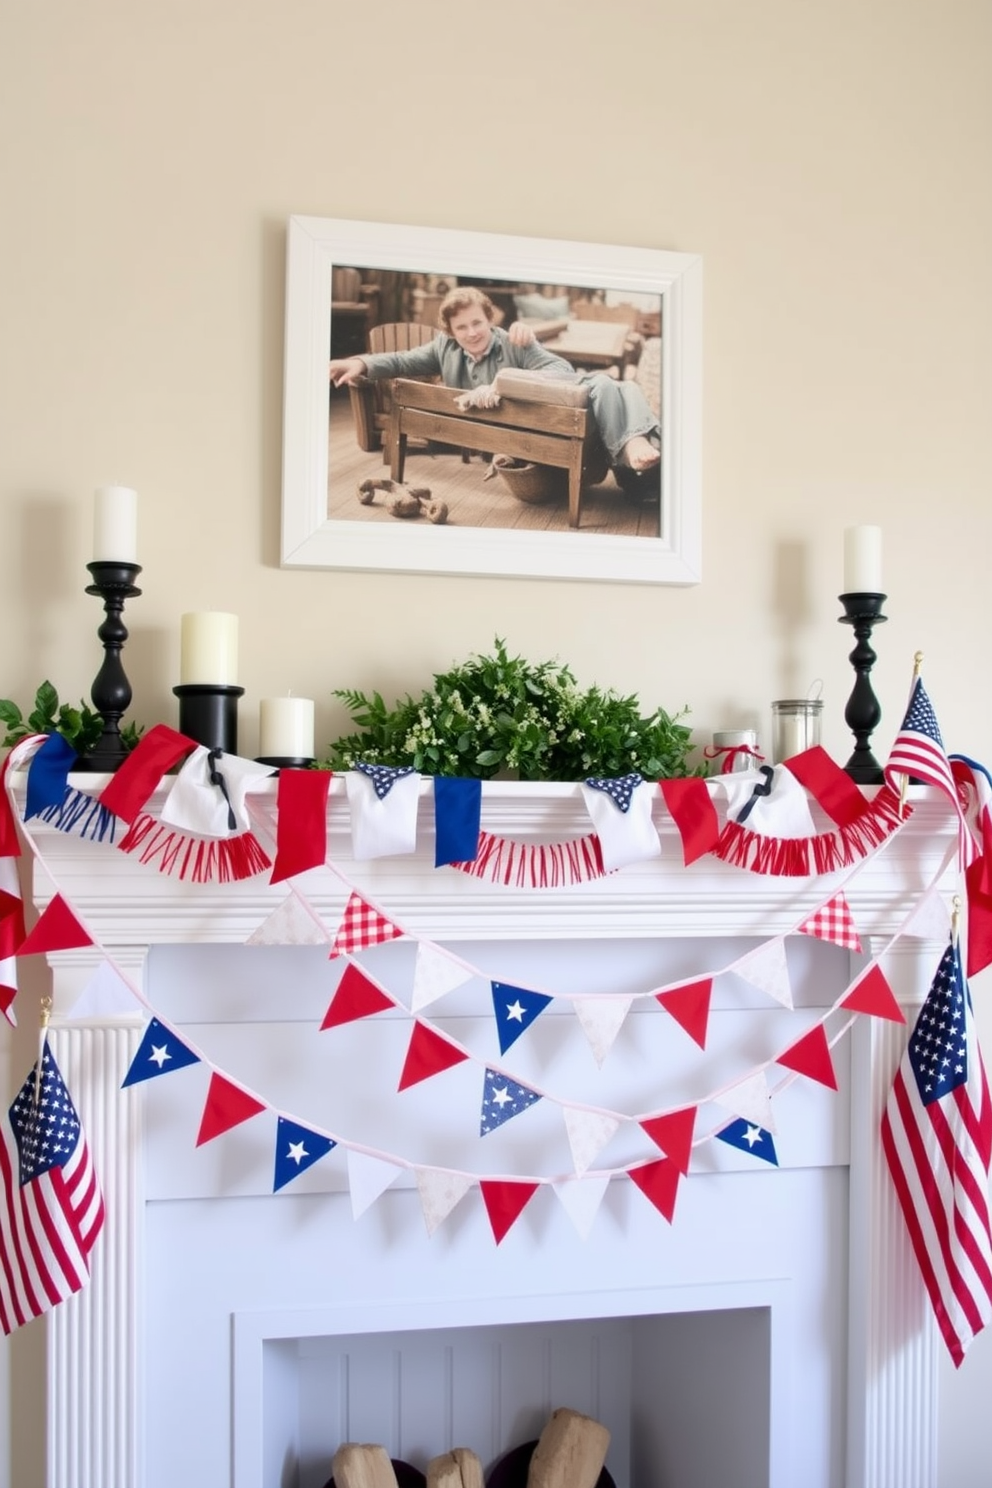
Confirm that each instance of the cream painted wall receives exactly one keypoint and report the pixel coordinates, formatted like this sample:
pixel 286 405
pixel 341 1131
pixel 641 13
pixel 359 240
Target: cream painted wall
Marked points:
pixel 829 162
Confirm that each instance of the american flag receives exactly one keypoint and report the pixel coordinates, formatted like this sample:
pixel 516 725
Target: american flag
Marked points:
pixel 937 1139
pixel 918 752
pixel 51 1207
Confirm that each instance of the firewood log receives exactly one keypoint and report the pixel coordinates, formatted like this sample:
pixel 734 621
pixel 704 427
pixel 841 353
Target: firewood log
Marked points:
pixel 459 1468
pixel 570 1453
pixel 357 1466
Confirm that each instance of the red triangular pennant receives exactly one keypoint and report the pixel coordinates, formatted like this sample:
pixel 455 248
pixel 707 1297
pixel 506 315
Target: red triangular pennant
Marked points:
pixel 428 1054
pixel 362 925
pixel 659 1182
pixel 357 996
pixel 505 1202
pixel 692 810
pixel 56 930
pixel 690 1007
pixel 301 826
pixel 874 995
pixel 673 1134
pixel 227 1105
pixel 979 915
pixel 132 784
pixel 833 922
pixel 810 1056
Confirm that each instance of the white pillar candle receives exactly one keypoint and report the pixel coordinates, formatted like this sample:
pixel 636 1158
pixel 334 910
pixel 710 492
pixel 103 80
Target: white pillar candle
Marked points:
pixel 862 560
pixel 208 649
pixel 115 525
pixel 285 728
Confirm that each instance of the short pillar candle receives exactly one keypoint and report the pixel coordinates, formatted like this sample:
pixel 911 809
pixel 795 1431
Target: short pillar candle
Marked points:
pixel 115 525
pixel 862 560
pixel 285 728
pixel 208 649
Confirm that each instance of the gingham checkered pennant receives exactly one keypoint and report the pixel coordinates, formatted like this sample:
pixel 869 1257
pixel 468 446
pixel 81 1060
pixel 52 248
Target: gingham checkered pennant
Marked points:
pixel 362 925
pixel 833 921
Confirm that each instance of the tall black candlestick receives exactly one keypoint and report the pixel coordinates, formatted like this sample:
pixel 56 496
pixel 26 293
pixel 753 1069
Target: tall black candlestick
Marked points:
pixel 863 713
pixel 111 691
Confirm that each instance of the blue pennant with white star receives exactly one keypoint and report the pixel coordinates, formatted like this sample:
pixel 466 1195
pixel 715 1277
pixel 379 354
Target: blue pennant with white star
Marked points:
pixel 502 1099
pixel 297 1148
pixel 383 777
pixel 748 1137
pixel 620 790
pixel 515 1010
pixel 159 1052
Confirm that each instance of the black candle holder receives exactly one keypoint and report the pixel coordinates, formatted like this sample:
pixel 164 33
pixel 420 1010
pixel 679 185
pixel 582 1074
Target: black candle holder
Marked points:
pixel 208 713
pixel 111 691
pixel 863 713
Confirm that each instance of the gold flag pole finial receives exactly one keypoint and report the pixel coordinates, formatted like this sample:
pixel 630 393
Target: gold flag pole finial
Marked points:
pixel 44 1018
pixel 917 664
pixel 904 783
pixel 955 918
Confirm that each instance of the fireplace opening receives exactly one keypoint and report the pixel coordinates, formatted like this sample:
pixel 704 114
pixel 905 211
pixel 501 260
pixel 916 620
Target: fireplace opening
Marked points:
pixel 686 1396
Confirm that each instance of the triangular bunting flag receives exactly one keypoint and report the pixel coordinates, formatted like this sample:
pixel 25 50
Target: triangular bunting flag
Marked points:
pixel 673 1134
pixel 748 1136
pixel 693 812
pixel 502 1099
pixel 427 1055
pixel 357 996
pixel 873 995
pixel 690 1007
pixel 106 995
pixel 588 1133
pixel 581 1199
pixel 515 1009
pixel 293 923
pixel 505 1201
pixel 301 825
pixel 659 1182
pixel 931 919
pixel 56 930
pixel 362 925
pixel 297 1148
pixel 833 922
pixel 368 1179
pixel 439 1193
pixel 767 969
pixel 810 1056
pixel 750 1100
pixel 159 1053
pixel 601 1019
pixel 226 1106
pixel 435 974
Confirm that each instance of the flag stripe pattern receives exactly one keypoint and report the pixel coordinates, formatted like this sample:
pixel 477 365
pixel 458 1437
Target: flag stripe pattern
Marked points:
pixel 918 753
pixel 937 1139
pixel 51 1207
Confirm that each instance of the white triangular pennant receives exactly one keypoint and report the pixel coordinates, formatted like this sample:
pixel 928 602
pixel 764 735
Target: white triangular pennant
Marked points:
pixel 293 923
pixel 435 974
pixel 105 995
pixel 931 919
pixel 601 1019
pixel 368 1178
pixel 588 1133
pixel 750 1100
pixel 767 969
pixel 581 1199
pixel 439 1193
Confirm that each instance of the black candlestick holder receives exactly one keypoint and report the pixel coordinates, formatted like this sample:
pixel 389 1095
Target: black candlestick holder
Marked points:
pixel 208 713
pixel 863 713
pixel 111 691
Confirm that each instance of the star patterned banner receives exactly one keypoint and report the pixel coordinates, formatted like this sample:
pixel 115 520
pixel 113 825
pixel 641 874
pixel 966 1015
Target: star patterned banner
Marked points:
pixel 515 1009
pixel 297 1148
pixel 160 1052
pixel 748 1137
pixel 502 1099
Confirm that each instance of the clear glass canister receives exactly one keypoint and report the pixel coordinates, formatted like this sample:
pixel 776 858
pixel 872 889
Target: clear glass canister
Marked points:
pixel 795 726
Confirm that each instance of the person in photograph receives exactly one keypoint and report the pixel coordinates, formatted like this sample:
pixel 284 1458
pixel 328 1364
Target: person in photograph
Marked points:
pixel 468 352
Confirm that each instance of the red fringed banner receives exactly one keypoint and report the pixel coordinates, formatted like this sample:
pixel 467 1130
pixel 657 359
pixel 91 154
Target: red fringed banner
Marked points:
pixel 803 857
pixel 551 865
pixel 199 859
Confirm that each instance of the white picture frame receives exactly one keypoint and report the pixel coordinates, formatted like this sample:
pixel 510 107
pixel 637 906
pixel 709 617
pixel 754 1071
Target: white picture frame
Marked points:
pixel 316 245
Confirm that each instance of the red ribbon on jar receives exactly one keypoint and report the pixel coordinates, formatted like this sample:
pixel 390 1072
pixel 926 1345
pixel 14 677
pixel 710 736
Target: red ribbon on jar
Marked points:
pixel 737 747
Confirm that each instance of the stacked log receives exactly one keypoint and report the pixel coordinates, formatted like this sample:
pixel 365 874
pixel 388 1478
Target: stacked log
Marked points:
pixel 459 1468
pixel 571 1452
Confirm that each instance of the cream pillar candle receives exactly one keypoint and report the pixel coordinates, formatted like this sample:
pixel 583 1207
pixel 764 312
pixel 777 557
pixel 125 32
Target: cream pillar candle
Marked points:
pixel 285 728
pixel 115 525
pixel 862 560
pixel 208 649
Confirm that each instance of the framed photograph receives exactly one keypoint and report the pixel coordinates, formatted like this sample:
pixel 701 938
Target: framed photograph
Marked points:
pixel 471 403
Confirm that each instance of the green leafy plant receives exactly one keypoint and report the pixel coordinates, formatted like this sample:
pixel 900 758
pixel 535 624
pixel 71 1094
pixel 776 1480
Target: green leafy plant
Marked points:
pixel 502 714
pixel 80 727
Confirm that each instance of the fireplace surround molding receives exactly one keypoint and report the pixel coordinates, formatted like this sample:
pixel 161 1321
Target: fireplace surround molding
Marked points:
pixel 97 1396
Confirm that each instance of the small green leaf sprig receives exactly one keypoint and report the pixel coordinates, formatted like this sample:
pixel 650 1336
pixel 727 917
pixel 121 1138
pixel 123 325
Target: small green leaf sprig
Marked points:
pixel 80 727
pixel 501 714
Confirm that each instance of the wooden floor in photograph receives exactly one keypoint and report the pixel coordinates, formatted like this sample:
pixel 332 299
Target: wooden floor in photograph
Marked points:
pixel 472 500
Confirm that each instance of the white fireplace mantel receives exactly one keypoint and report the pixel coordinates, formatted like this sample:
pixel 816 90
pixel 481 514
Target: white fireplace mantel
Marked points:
pixel 97 1404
